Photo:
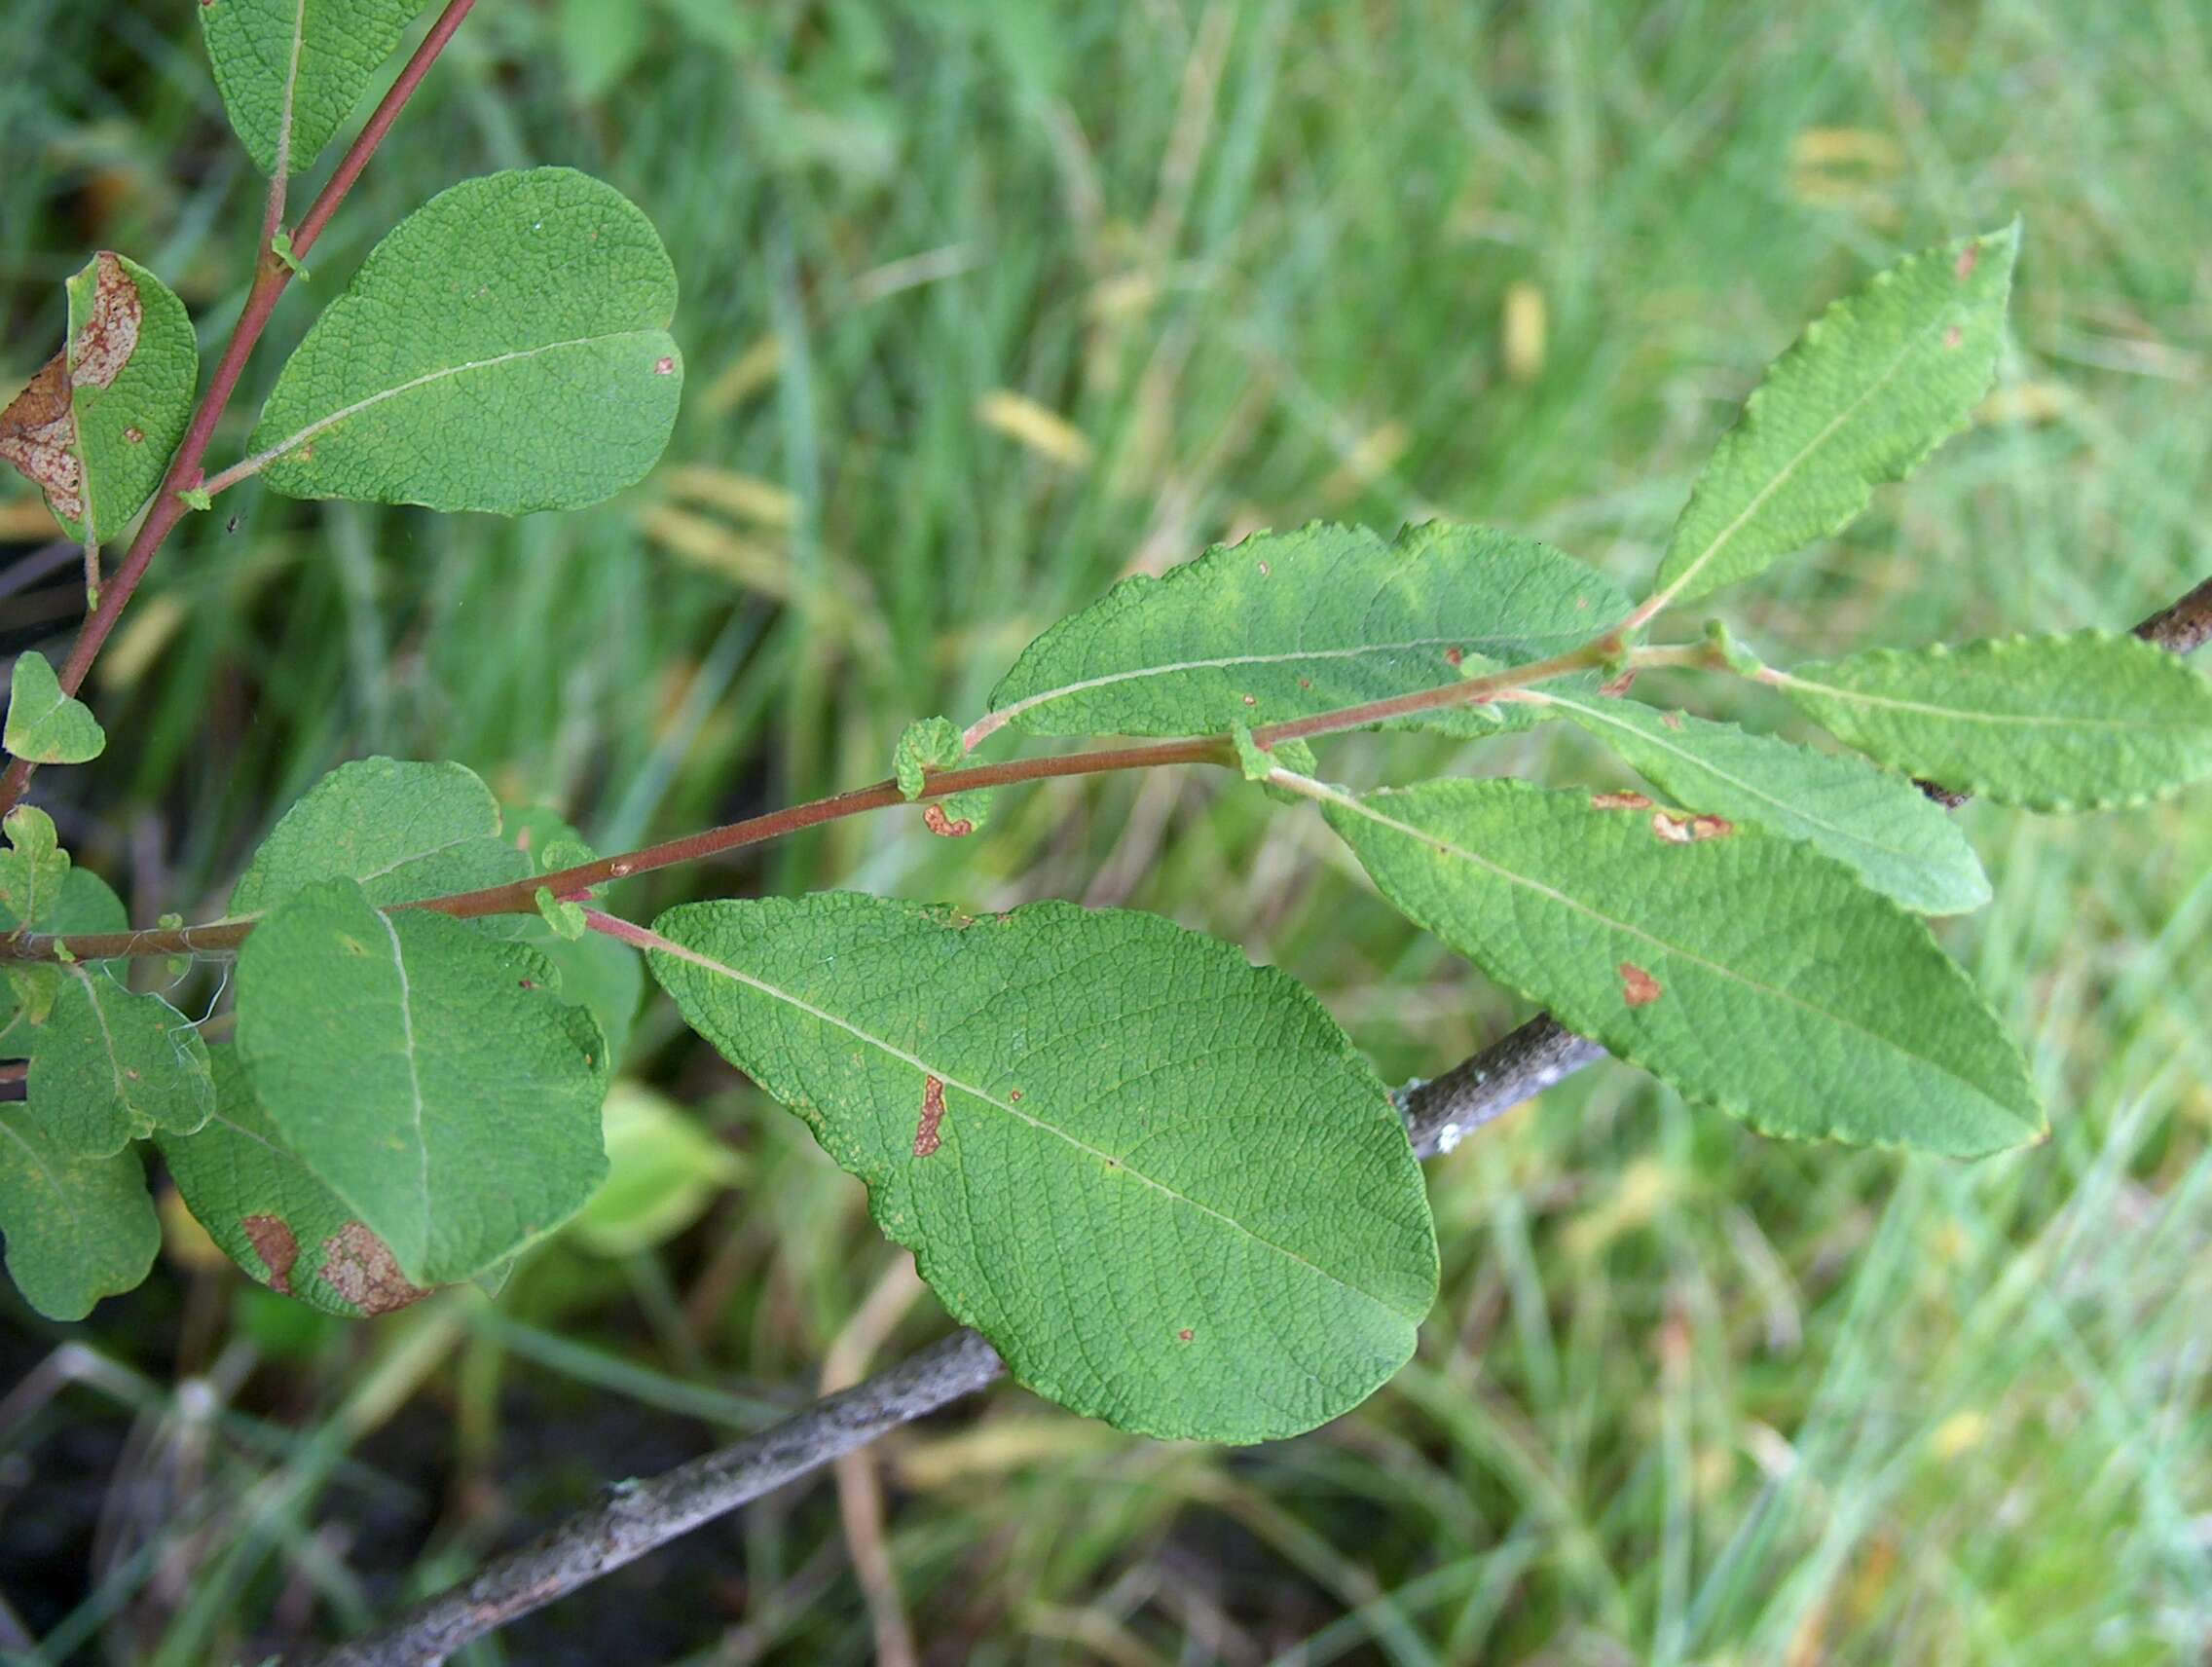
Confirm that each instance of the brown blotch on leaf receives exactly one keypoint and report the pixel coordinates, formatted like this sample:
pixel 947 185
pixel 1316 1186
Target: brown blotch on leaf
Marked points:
pixel 665 368
pixel 272 1242
pixel 1620 801
pixel 1013 1095
pixel 1620 684
pixel 110 336
pixel 38 435
pixel 942 826
pixel 1453 656
pixel 1969 257
pixel 928 1136
pixel 1638 986
pixel 1185 1335
pixel 1689 829
pixel 360 1267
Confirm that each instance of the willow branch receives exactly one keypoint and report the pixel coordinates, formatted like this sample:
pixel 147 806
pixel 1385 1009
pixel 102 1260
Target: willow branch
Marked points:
pixel 1438 1115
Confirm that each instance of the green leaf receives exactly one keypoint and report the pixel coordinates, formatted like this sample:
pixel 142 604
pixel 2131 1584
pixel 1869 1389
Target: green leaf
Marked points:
pixel 565 918
pixel 43 725
pixel 78 1228
pixel 272 1215
pixel 109 1065
pixel 1877 382
pixel 504 348
pixel 663 1170
pixel 1748 969
pixel 469 1126
pixel 2059 722
pixel 96 429
pixel 1288 624
pixel 32 870
pixel 406 830
pixel 1898 840
pixel 292 70
pixel 1157 1177
pixel 927 744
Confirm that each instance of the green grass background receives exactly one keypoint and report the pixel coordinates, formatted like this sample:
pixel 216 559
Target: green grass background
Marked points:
pixel 1688 1397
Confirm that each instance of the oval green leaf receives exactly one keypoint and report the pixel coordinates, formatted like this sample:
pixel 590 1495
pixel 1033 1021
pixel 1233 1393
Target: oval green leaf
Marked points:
pixel 404 829
pixel 2059 722
pixel 290 71
pixel 1288 624
pixel 504 348
pixel 1877 382
pixel 1157 1177
pixel 1748 969
pixel 1898 840
pixel 469 1127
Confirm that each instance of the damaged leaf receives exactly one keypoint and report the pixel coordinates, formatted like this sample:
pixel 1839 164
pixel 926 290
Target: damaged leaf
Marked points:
pixel 270 1213
pixel 109 1065
pixel 1672 949
pixel 1214 1161
pixel 96 429
pixel 468 1125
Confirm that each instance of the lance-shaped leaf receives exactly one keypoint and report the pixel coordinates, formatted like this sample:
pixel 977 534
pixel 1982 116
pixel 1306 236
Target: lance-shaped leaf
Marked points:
pixel 43 725
pixel 1877 382
pixel 270 1214
pixel 110 1066
pixel 1287 624
pixel 426 1073
pixel 2060 723
pixel 504 348
pixel 1748 969
pixel 1901 841
pixel 404 829
pixel 292 70
pixel 78 1228
pixel 96 427
pixel 1157 1177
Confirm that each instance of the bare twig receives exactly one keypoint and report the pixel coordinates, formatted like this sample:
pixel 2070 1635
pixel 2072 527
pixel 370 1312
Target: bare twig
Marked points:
pixel 271 277
pixel 1438 1114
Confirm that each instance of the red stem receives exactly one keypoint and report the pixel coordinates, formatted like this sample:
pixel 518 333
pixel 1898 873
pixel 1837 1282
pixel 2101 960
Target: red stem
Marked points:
pixel 270 277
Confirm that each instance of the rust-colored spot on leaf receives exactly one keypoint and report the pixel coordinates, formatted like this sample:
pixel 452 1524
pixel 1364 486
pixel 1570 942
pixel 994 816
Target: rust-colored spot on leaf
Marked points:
pixel 1013 1095
pixel 942 826
pixel 272 1242
pixel 665 368
pixel 1453 655
pixel 360 1267
pixel 1185 1335
pixel 38 435
pixel 928 1136
pixel 110 336
pixel 1689 829
pixel 1620 684
pixel 1969 257
pixel 1672 719
pixel 1620 801
pixel 1953 336
pixel 1638 986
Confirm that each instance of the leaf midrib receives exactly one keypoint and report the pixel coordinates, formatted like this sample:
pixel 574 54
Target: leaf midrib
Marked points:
pixel 683 952
pixel 268 455
pixel 1438 842
pixel 2024 719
